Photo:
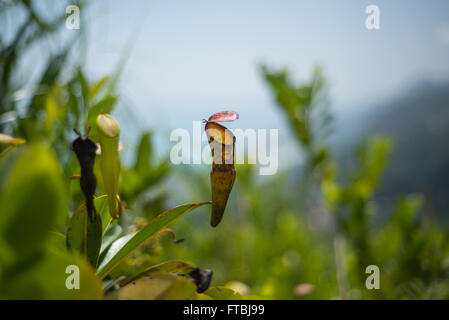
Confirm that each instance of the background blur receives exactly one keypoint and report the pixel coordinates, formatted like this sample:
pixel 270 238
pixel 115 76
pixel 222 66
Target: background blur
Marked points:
pixel 362 115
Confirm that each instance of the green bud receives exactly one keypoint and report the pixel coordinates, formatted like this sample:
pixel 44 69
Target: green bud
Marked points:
pixel 109 133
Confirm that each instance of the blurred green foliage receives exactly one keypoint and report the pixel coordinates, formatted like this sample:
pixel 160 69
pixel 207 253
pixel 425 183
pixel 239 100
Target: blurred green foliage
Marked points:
pixel 34 197
pixel 313 238
pixel 35 183
pixel 296 235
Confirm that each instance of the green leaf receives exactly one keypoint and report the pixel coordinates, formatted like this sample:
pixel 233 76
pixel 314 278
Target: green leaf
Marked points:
pixel 84 90
pixel 46 278
pixel 98 175
pixel 125 245
pixel 159 287
pixel 101 203
pixel 116 248
pixel 33 201
pixel 84 235
pixel 167 266
pixel 144 152
pixel 109 237
pixel 6 151
pixel 57 241
pixel 112 234
pixel 97 87
pixel 48 79
pixel 202 296
pixel 223 293
pixel 406 209
pixel 372 157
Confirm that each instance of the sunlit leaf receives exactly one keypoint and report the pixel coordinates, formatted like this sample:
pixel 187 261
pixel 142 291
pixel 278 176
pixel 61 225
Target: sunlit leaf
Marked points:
pixel 202 296
pixel 124 246
pixel 223 293
pixel 160 286
pixel 167 266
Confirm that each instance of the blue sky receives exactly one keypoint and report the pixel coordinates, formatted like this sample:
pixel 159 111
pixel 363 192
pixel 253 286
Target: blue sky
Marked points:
pixel 192 58
pixel 189 59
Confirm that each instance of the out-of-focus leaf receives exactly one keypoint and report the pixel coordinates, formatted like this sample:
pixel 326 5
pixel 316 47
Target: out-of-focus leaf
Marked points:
pixel 223 293
pixel 10 140
pixel 167 266
pixel 6 151
pixel 202 296
pixel 300 103
pixel 84 90
pixel 144 152
pixel 33 199
pixel 331 193
pixel 97 87
pixel 54 109
pixel 57 241
pixel 407 209
pixel 372 157
pixel 124 246
pixel 160 286
pixel 84 235
pixel 46 279
pixel 48 79
pixel 135 182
